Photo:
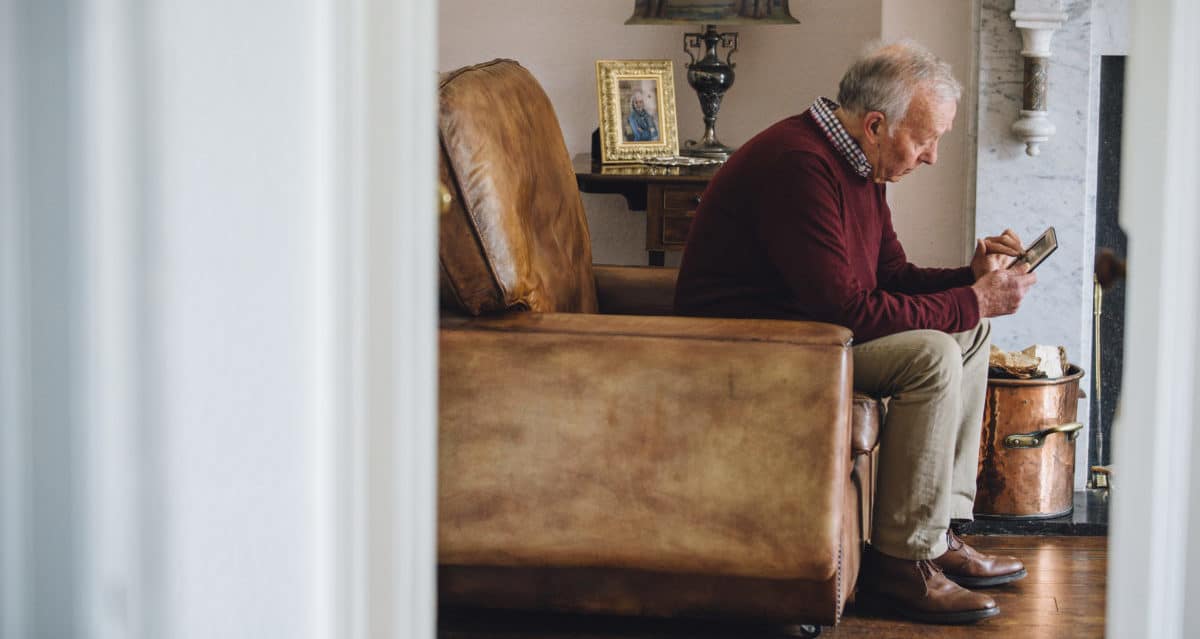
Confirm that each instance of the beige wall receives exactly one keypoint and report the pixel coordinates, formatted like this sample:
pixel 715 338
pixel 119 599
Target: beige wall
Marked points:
pixel 780 70
pixel 930 208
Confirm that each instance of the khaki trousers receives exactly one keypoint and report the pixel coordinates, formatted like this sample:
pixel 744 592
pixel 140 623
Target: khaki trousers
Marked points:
pixel 929 443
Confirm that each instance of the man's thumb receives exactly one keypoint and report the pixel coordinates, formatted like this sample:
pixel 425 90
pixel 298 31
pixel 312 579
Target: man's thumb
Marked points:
pixel 980 248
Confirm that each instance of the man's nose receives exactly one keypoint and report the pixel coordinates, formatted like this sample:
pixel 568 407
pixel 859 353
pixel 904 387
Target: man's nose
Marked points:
pixel 929 156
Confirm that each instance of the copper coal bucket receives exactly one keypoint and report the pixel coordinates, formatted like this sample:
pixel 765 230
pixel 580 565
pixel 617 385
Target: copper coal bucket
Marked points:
pixel 1027 451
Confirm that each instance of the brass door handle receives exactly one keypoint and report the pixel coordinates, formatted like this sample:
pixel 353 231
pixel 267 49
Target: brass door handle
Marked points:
pixel 1036 439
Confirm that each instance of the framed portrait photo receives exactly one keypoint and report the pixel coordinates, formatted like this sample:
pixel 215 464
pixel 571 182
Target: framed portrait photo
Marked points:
pixel 637 110
pixel 1041 248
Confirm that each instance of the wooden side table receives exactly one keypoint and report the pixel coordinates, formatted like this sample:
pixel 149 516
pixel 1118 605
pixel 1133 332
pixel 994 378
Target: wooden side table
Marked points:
pixel 668 194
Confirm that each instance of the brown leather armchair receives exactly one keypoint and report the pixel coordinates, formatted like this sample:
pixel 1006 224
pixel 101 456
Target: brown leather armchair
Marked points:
pixel 596 455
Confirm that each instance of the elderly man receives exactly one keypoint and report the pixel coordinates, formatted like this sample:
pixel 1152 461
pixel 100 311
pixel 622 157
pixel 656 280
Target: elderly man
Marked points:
pixel 796 225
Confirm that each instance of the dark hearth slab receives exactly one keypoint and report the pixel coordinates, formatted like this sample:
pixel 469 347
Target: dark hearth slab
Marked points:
pixel 1089 518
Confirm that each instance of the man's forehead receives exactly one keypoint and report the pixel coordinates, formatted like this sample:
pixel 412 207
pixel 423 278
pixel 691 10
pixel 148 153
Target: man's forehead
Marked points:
pixel 928 109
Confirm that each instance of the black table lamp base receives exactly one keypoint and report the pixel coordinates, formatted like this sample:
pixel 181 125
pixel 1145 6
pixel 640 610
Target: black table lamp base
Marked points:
pixel 711 77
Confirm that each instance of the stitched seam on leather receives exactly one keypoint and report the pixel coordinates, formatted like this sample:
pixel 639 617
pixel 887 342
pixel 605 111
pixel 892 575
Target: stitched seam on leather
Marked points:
pixel 452 75
pixel 837 612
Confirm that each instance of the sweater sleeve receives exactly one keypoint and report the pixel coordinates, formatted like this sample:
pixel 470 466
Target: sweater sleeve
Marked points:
pixel 898 275
pixel 803 231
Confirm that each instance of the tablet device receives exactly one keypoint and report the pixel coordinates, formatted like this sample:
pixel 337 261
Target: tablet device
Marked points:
pixel 1038 251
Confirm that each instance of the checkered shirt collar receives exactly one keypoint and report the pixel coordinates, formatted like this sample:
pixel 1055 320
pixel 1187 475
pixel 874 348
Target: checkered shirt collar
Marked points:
pixel 822 111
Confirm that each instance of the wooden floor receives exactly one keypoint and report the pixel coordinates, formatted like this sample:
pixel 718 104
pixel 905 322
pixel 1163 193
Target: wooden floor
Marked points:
pixel 1062 597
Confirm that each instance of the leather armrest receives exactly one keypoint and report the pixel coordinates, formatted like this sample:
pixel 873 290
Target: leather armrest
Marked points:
pixel 685 445
pixel 635 290
pixel 868 417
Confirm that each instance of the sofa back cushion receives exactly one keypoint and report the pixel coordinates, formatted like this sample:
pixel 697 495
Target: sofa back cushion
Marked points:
pixel 516 236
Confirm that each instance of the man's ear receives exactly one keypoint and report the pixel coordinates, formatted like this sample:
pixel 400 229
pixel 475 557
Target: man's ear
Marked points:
pixel 873 125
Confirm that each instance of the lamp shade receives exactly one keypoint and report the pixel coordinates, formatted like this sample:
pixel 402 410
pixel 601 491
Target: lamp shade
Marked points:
pixel 711 12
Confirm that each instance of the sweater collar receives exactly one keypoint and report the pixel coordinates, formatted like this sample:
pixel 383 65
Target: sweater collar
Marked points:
pixel 822 111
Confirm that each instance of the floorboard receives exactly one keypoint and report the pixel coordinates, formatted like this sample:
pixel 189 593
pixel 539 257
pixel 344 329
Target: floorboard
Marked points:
pixel 1063 597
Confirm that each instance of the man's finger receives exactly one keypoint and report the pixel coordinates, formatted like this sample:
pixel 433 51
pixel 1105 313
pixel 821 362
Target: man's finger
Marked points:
pixel 995 245
pixel 1010 239
pixel 1015 242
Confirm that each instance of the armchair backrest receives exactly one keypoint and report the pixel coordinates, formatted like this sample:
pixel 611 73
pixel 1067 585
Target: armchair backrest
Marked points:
pixel 516 236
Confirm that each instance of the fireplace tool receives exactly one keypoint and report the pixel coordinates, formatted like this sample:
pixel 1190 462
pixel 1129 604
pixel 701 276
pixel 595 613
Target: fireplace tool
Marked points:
pixel 1108 270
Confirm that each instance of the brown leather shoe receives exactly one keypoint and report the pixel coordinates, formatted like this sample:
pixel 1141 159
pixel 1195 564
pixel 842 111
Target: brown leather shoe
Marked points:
pixel 918 590
pixel 973 569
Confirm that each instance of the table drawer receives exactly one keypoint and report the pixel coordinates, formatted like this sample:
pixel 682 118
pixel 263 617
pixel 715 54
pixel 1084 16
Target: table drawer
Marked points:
pixel 669 213
pixel 681 198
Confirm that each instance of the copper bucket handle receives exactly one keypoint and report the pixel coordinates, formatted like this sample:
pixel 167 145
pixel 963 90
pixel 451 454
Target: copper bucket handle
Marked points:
pixel 1036 439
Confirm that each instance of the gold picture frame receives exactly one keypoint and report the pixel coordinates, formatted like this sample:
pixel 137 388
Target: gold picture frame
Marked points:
pixel 637 110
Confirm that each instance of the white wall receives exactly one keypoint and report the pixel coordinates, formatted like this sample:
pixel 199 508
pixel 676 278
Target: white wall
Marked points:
pixel 294 402
pixel 216 221
pixel 234 151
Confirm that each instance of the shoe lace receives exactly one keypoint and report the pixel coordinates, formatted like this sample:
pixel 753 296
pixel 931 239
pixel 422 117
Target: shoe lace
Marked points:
pixel 928 568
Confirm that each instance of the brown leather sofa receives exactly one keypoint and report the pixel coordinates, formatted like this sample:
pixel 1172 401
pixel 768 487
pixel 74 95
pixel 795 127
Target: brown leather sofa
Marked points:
pixel 596 455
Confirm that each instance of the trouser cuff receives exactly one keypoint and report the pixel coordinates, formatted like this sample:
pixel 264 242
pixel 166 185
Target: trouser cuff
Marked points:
pixel 916 547
pixel 963 509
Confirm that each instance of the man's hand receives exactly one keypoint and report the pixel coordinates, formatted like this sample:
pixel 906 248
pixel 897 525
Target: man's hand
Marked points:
pixel 1000 291
pixel 993 253
pixel 983 262
pixel 1007 243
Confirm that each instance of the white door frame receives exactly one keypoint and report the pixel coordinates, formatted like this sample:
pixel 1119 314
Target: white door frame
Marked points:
pixel 393 116
pixel 382 266
pixel 14 361
pixel 1156 495
pixel 373 487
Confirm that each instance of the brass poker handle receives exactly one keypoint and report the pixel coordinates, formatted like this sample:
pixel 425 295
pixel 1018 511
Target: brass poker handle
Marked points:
pixel 445 199
pixel 1036 439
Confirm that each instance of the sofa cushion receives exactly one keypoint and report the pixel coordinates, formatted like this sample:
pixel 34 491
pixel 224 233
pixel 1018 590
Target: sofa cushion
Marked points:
pixel 636 290
pixel 516 236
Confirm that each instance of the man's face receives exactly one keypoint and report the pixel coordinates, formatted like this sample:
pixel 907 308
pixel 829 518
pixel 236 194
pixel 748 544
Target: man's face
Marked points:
pixel 915 140
pixel 638 103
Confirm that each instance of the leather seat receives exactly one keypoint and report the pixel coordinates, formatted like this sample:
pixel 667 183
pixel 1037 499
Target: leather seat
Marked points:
pixel 599 455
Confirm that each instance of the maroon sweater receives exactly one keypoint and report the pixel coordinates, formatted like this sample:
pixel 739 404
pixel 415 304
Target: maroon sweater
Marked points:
pixel 787 229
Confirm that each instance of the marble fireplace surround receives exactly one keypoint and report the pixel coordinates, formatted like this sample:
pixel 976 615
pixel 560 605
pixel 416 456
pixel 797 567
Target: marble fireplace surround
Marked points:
pixel 1058 186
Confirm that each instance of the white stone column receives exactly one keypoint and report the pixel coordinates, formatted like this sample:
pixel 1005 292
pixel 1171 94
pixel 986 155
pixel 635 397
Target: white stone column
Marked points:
pixel 1037 20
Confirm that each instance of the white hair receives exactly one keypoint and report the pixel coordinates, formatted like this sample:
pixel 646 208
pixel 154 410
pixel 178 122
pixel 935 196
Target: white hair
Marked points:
pixel 885 77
